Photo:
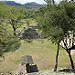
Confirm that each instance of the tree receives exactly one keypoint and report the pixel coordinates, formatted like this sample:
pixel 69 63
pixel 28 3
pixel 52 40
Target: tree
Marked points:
pixel 56 24
pixel 14 17
pixel 7 41
pixel 49 2
pixel 28 22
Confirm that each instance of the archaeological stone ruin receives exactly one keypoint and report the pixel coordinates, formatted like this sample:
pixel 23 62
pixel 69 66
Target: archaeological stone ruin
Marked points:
pixel 28 64
pixel 30 32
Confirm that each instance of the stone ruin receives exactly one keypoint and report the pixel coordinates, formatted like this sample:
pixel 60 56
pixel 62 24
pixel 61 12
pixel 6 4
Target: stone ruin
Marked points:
pixel 27 65
pixel 30 33
pixel 26 60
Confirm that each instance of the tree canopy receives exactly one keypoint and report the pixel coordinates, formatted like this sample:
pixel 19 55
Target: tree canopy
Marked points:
pixel 56 23
pixel 8 42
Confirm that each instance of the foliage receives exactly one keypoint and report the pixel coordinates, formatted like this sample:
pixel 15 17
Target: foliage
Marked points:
pixel 49 2
pixel 27 22
pixel 56 24
pixel 7 41
pixel 14 16
pixel 11 19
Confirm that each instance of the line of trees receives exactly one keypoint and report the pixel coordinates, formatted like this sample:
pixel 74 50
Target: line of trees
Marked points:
pixel 55 22
pixel 10 20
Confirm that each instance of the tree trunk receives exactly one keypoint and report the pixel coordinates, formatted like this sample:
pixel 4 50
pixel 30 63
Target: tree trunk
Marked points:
pixel 53 1
pixel 68 50
pixel 72 65
pixel 14 30
pixel 72 0
pixel 55 69
pixel 12 22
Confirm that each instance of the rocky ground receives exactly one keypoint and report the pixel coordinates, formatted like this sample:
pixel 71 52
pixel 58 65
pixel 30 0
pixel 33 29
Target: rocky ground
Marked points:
pixel 48 72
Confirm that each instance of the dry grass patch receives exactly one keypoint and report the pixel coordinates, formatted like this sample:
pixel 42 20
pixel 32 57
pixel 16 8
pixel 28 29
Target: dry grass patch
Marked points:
pixel 42 51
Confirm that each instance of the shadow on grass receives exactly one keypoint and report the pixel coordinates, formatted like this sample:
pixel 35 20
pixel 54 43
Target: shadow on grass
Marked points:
pixel 67 70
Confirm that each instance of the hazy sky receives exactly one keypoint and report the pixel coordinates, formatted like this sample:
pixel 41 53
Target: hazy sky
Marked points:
pixel 25 1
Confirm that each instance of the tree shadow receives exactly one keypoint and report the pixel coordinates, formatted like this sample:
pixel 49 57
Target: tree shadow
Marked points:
pixel 67 70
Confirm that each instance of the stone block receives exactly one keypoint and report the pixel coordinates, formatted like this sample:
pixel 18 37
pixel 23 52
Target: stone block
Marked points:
pixel 26 60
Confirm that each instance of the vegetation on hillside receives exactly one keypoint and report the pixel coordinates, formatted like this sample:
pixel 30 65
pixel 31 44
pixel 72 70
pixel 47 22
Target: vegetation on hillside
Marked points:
pixel 55 22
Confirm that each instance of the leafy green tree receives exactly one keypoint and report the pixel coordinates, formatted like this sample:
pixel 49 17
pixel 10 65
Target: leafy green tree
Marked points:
pixel 49 2
pixel 14 17
pixel 7 41
pixel 28 22
pixel 56 24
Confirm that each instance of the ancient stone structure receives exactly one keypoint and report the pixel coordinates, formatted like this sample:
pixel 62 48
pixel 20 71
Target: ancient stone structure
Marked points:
pixel 28 64
pixel 26 60
pixel 30 33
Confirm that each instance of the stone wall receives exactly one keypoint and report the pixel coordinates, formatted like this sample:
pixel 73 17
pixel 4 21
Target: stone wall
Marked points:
pixel 30 33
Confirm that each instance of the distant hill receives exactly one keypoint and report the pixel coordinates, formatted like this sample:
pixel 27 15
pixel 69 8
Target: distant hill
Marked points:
pixel 11 3
pixel 31 5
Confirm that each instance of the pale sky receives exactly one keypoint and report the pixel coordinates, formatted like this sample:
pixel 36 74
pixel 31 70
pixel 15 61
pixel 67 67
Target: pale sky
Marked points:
pixel 26 1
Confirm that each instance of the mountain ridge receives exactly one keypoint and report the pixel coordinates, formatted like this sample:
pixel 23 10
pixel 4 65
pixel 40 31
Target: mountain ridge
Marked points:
pixel 29 5
pixel 11 3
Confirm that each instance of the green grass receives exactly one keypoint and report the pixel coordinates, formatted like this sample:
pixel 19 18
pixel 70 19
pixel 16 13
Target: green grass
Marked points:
pixel 42 51
pixel 17 61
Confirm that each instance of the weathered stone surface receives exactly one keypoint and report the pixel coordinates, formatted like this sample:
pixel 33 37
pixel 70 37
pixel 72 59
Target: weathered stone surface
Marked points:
pixel 33 68
pixel 30 33
pixel 20 69
pixel 26 60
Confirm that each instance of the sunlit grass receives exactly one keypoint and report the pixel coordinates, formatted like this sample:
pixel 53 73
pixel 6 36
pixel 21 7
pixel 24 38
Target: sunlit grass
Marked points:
pixel 42 51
